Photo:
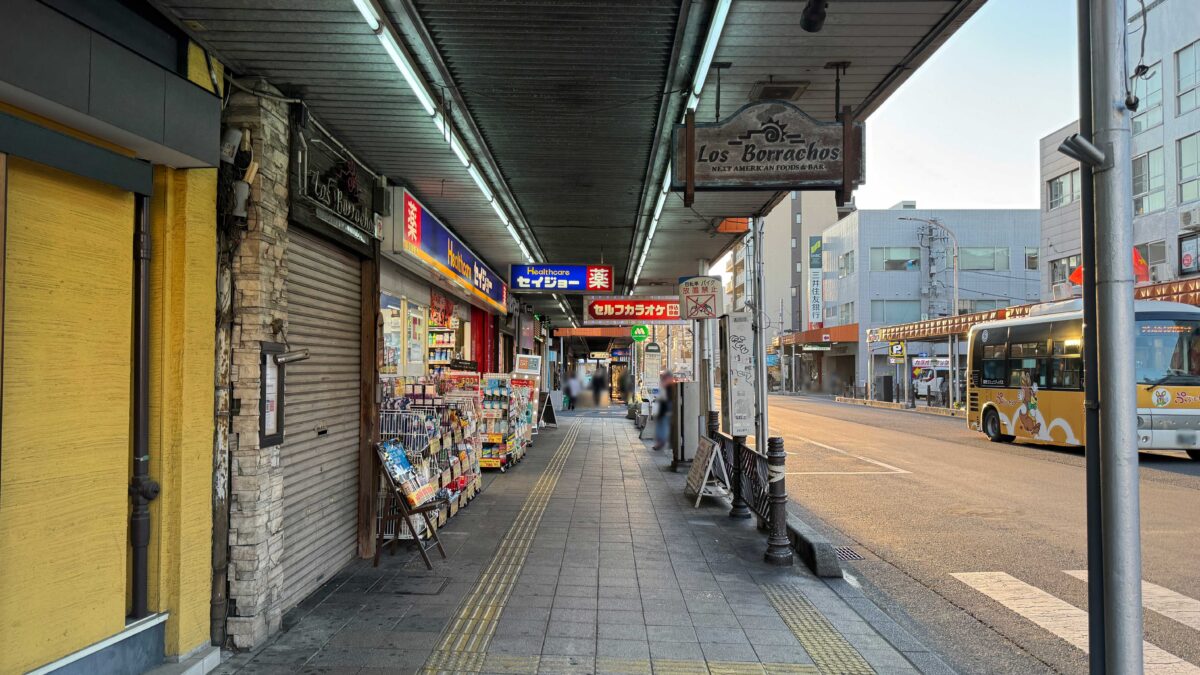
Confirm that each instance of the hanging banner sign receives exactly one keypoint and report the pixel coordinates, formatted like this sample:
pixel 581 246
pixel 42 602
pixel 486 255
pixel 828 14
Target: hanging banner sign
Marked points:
pixel 770 145
pixel 561 278
pixel 628 309
pixel 428 240
pixel 700 297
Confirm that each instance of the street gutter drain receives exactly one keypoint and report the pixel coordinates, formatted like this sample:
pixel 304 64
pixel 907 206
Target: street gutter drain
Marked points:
pixel 847 553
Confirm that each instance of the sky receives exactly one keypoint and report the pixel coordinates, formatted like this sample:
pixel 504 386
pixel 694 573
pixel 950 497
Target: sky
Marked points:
pixel 963 131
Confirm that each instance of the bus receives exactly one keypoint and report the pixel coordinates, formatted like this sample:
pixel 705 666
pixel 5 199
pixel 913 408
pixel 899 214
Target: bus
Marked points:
pixel 1025 376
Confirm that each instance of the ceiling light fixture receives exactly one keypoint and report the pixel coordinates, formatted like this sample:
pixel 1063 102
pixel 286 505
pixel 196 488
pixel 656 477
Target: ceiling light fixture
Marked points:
pixel 812 17
pixel 384 33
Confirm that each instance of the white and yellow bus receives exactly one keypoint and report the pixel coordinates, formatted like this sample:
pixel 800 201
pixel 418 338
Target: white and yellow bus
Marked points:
pixel 1025 376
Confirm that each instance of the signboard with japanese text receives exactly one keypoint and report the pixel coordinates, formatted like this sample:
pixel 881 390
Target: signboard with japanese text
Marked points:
pixel 770 145
pixel 561 278
pixel 621 353
pixel 739 374
pixel 428 240
pixel 701 297
pixel 936 362
pixel 441 309
pixel 527 364
pixel 629 309
pixel 815 272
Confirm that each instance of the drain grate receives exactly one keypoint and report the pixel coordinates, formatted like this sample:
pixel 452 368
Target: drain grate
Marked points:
pixel 847 553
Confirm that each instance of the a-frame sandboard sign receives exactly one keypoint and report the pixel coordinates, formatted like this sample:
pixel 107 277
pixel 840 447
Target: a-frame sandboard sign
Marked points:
pixel 547 411
pixel 701 481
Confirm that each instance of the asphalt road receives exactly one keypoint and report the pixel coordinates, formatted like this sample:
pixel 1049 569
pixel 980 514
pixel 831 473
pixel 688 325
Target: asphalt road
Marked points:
pixel 923 498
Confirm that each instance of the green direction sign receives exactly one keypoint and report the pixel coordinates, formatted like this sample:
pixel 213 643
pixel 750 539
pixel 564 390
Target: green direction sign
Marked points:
pixel 639 332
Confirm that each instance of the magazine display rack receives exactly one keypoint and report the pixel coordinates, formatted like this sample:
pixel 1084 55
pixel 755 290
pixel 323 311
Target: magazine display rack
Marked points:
pixel 499 422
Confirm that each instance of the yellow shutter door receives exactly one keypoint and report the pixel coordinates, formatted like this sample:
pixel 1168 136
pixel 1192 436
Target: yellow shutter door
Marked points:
pixel 64 462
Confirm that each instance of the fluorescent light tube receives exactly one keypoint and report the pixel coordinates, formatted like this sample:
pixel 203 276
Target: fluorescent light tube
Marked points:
pixel 478 178
pixel 459 150
pixel 503 216
pixel 368 11
pixel 406 69
pixel 710 49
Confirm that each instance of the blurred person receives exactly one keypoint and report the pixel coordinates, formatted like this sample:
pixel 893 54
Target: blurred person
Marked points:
pixel 599 382
pixel 664 403
pixel 574 388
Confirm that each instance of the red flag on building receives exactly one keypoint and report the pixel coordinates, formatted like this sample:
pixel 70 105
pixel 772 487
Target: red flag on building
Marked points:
pixel 1141 270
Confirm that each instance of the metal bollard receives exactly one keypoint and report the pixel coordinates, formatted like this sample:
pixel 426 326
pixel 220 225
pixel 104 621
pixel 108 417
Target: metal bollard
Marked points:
pixel 739 508
pixel 779 545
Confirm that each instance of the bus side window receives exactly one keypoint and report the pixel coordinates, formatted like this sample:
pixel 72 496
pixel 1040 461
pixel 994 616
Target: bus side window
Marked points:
pixel 1028 364
pixel 994 360
pixel 1066 368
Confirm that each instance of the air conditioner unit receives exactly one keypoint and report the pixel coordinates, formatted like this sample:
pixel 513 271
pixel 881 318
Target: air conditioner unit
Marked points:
pixel 1159 272
pixel 1189 219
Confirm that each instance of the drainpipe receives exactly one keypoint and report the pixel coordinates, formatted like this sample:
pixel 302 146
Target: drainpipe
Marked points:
pixel 142 489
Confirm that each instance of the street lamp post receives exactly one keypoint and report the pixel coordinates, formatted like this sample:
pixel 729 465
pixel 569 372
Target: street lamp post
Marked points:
pixel 954 307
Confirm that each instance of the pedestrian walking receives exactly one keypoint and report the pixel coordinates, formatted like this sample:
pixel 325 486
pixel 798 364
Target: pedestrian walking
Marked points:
pixel 663 405
pixel 574 388
pixel 599 382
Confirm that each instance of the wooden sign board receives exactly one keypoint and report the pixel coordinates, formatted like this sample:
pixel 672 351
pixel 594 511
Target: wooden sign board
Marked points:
pixel 768 145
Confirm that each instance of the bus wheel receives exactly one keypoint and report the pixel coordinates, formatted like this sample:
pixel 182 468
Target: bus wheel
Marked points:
pixel 991 427
pixel 1194 454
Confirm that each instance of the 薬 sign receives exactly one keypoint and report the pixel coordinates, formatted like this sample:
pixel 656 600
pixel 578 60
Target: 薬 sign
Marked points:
pixel 561 278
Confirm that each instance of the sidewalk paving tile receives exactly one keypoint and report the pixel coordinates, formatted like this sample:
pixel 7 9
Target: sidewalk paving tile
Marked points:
pixel 619 575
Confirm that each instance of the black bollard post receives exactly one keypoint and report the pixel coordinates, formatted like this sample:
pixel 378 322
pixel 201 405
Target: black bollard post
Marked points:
pixel 779 545
pixel 739 507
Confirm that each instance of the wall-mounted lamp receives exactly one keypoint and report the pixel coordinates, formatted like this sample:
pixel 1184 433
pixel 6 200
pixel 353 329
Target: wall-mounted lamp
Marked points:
pixel 812 17
pixel 292 356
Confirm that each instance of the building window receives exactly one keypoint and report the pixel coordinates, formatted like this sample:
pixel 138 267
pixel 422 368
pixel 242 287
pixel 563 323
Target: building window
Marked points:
pixel 1187 69
pixel 983 258
pixel 793 195
pixel 830 311
pixel 845 313
pixel 1149 183
pixel 1031 258
pixel 793 291
pixel 1062 268
pixel 1062 190
pixel 1148 89
pixel 846 264
pixel 793 242
pixel 799 267
pixel 1189 254
pixel 1155 255
pixel 1189 168
pixel 895 258
pixel 798 219
pixel 889 312
pixel 971 305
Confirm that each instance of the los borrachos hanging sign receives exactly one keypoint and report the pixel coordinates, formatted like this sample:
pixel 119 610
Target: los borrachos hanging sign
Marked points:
pixel 769 145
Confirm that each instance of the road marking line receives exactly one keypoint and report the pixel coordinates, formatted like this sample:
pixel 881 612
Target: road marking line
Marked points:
pixel 1059 617
pixel 1163 600
pixel 893 469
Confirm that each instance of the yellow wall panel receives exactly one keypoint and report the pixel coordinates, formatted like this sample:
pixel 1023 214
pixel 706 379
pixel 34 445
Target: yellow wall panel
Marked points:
pixel 66 408
pixel 182 312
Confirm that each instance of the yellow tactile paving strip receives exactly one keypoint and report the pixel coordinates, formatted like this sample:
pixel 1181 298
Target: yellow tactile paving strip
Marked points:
pixel 466 638
pixel 828 648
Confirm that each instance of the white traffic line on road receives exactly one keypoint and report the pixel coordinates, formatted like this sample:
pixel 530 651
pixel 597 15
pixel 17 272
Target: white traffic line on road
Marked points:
pixel 1162 600
pixel 1059 617
pixel 889 467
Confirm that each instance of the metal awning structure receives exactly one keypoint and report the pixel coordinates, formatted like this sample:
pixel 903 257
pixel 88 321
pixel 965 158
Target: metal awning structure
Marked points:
pixel 563 108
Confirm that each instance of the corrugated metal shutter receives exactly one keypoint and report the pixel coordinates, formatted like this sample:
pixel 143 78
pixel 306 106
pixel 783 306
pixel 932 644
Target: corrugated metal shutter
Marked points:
pixel 321 416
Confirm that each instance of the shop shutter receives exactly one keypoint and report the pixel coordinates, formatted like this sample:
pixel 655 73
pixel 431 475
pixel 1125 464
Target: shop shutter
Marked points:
pixel 321 416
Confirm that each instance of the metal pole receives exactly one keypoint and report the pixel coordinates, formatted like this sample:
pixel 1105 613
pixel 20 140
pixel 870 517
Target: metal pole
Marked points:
pixel 1115 344
pixel 870 372
pixel 738 508
pixel 1091 410
pixel 907 377
pixel 760 345
pixel 949 371
pixel 142 488
pixel 779 545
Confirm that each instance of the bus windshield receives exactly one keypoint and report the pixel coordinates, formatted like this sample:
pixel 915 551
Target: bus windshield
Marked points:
pixel 1168 351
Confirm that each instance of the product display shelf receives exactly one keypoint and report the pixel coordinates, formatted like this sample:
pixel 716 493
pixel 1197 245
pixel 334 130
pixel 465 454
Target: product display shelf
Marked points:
pixel 524 397
pixel 498 422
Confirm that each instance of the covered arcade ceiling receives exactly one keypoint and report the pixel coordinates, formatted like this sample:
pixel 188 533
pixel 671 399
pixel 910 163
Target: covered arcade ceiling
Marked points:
pixel 563 108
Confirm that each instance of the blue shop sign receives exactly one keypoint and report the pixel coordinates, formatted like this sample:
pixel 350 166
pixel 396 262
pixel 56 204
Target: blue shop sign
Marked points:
pixel 538 278
pixel 426 239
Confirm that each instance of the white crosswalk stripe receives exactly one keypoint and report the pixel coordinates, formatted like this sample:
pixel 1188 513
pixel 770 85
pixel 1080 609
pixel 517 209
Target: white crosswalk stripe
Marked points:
pixel 1164 601
pixel 1061 618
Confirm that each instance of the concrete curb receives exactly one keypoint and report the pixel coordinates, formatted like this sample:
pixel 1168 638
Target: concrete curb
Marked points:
pixel 937 412
pixel 814 549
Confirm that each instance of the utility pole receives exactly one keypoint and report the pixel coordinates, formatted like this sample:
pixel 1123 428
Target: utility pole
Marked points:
pixel 1115 343
pixel 760 348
